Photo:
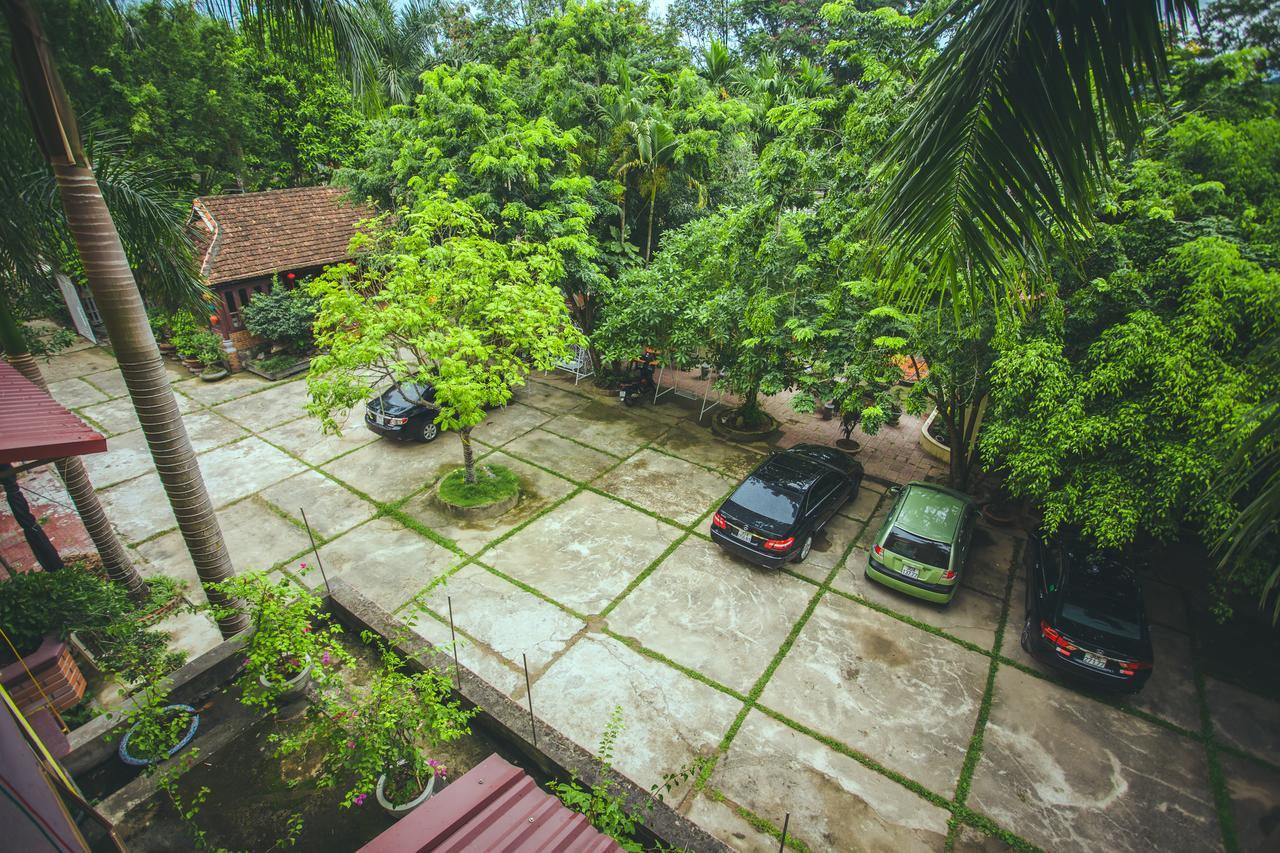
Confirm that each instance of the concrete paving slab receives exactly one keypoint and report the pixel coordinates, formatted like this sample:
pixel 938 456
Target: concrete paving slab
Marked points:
pixel 80 362
pixel 1247 721
pixel 670 487
pixel 75 393
pixel 697 444
pixel 970 840
pixel 720 616
pixel 512 421
pixel 992 556
pixel 548 398
pixel 1067 773
pixel 864 504
pixel 829 546
pixel 237 470
pixel 256 539
pixel 561 455
pixel 585 553
pixel 109 382
pixel 192 633
pixel 1166 604
pixel 138 508
pixel 475 657
pixel 127 457
pixel 538 490
pixel 385 561
pixel 970 616
pixel 388 470
pixel 904 697
pixel 721 820
pixel 278 403
pixel 1171 691
pixel 213 393
pixel 606 428
pixel 114 416
pixel 834 801
pixel 874 523
pixel 668 719
pixel 303 438
pixel 1255 803
pixel 507 619
pixel 329 507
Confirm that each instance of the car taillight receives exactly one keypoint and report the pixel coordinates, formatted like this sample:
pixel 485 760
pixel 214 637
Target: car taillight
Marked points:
pixel 879 551
pixel 717 520
pixel 397 421
pixel 778 544
pixel 1063 645
pixel 949 575
pixel 1130 668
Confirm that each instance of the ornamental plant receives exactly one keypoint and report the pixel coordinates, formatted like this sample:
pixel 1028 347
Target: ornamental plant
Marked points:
pixel 390 727
pixel 153 726
pixel 291 631
pixel 282 316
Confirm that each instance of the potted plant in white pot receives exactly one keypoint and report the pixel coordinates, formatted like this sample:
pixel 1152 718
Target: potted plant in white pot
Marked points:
pixel 382 736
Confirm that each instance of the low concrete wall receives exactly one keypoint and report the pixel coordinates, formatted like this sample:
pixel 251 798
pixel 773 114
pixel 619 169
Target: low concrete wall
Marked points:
pixel 931 445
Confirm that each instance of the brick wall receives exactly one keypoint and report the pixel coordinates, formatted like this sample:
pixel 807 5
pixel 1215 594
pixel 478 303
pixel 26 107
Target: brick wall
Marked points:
pixel 57 674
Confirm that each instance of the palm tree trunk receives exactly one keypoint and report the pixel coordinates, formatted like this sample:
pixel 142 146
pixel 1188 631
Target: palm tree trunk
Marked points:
pixel 468 457
pixel 116 293
pixel 653 203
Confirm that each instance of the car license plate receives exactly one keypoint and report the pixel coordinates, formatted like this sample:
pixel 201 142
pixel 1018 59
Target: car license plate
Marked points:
pixel 743 535
pixel 1095 660
pixel 622 395
pixel 909 572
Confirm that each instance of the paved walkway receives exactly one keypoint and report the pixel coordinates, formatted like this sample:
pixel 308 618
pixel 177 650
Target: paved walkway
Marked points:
pixel 876 721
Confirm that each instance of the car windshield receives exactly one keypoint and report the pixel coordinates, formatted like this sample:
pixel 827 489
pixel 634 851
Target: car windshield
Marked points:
pixel 408 394
pixel 1099 619
pixel 767 500
pixel 918 549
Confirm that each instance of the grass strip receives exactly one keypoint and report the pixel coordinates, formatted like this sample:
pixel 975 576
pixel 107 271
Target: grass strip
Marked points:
pixel 648 570
pixel 1217 781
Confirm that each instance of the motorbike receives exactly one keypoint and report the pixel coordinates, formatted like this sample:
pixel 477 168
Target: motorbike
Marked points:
pixel 633 390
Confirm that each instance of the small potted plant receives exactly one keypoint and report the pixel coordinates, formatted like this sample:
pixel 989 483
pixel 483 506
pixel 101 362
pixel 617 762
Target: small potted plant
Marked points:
pixel 293 642
pixel 157 729
pixel 383 735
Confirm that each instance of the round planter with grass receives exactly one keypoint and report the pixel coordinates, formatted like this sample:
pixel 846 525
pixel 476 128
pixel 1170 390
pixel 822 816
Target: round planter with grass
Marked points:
pixel 728 425
pixel 496 490
pixel 213 374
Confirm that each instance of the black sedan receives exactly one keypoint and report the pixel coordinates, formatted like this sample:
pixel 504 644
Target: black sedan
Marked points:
pixel 1085 615
pixel 773 516
pixel 404 411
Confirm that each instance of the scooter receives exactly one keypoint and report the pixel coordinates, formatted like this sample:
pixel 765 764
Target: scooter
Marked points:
pixel 633 390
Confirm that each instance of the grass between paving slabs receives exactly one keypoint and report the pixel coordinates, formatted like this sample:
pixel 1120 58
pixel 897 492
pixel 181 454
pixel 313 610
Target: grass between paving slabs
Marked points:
pixel 1217 782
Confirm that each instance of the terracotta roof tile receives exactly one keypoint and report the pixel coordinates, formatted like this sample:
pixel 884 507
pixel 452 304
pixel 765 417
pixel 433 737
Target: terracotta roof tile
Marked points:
pixel 246 235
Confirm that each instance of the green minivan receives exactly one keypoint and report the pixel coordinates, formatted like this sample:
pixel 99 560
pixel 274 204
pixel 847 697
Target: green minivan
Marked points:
pixel 923 544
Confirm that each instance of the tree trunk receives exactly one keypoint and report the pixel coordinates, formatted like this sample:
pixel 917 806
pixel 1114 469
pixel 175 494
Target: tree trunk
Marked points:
pixel 116 293
pixel 653 203
pixel 468 458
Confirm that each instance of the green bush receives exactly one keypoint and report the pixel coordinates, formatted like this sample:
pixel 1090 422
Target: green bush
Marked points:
pixel 282 316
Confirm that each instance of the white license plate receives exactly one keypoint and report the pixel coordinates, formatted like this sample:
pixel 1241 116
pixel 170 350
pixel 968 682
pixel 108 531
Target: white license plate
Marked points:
pixel 909 572
pixel 622 395
pixel 1095 660
pixel 743 535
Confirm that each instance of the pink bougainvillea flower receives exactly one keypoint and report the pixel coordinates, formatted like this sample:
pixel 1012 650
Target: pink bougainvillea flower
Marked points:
pixel 325 657
pixel 302 565
pixel 360 798
pixel 351 744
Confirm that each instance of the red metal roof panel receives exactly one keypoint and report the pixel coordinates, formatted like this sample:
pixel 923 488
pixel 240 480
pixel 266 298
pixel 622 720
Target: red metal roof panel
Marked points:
pixel 35 426
pixel 493 807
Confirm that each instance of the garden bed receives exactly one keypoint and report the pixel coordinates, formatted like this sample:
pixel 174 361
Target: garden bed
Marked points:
pixel 932 439
pixel 276 368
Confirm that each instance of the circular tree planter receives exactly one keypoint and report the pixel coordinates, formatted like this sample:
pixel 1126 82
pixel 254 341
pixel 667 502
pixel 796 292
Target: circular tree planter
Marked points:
pixel 999 513
pixel 724 424
pixel 849 446
pixel 504 493
pixel 399 811
pixel 214 374
pixel 134 761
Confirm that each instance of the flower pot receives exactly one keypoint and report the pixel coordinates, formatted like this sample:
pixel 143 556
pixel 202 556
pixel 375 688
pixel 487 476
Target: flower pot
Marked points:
pixel 213 374
pixel 827 410
pixel 192 364
pixel 999 513
pixel 848 446
pixel 293 685
pixel 895 415
pixel 134 761
pixel 402 809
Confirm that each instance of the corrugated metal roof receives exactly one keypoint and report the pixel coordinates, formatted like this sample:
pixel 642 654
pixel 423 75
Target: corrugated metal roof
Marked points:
pixel 35 426
pixel 493 807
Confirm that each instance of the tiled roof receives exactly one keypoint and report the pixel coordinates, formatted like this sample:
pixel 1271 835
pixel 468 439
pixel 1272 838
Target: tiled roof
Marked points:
pixel 247 235
pixel 35 426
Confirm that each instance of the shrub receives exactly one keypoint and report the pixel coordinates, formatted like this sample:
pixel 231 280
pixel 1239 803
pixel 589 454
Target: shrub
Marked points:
pixel 282 316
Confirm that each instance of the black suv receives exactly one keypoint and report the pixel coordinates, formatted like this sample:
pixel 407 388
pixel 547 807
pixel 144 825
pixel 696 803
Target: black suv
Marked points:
pixel 404 411
pixel 1085 615
pixel 772 517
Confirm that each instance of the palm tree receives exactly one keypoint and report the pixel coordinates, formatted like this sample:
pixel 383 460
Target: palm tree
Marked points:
pixel 334 23
pixel 406 42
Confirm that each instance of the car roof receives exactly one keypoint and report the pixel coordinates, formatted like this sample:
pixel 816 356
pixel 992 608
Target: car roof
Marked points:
pixel 931 511
pixel 793 472
pixel 1102 578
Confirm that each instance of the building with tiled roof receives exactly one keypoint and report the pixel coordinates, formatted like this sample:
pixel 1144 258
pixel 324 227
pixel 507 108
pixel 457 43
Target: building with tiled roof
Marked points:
pixel 244 240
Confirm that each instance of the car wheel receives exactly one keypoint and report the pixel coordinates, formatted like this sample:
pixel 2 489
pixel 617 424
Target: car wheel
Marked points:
pixel 1026 635
pixel 428 431
pixel 804 549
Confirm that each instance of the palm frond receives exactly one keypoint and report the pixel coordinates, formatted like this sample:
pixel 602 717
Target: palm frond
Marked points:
pixel 1006 150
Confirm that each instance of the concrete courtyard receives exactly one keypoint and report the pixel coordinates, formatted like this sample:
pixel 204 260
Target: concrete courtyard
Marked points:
pixel 875 721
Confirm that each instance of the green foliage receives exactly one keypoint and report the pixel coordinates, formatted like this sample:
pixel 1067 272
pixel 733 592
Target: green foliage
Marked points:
pixel 36 604
pixel 493 483
pixel 389 727
pixel 291 631
pixel 283 316
pixel 442 303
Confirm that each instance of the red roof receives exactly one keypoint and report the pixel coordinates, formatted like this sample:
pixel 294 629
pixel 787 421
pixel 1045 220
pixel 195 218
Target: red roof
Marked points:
pixel 251 235
pixel 35 426
pixel 493 807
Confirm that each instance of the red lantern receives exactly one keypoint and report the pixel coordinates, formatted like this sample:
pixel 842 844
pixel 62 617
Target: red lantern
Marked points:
pixel 290 276
pixel 213 320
